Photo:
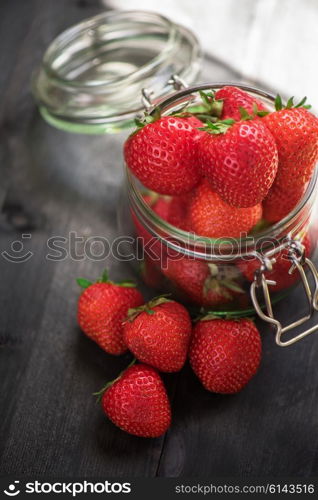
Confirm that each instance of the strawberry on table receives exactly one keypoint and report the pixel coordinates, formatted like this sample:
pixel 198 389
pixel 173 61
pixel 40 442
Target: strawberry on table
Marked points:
pixel 295 131
pixel 240 160
pixel 233 99
pixel 158 334
pixel 209 215
pixel 225 354
pixel 102 307
pixel 163 154
pixel 137 402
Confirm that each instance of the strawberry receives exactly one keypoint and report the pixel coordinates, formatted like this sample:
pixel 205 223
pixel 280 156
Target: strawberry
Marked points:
pixel 102 307
pixel 209 215
pixel 225 354
pixel 151 273
pixel 295 131
pixel 280 273
pixel 173 210
pixel 158 334
pixel 163 155
pixel 280 202
pixel 234 99
pixel 240 163
pixel 137 402
pixel 203 283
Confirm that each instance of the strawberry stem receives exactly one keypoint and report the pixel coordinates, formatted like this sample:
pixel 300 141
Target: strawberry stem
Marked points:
pixel 99 394
pixel 219 127
pixel 148 307
pixel 84 283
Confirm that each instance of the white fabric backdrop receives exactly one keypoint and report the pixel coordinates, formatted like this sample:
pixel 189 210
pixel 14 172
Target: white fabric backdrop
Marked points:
pixel 271 41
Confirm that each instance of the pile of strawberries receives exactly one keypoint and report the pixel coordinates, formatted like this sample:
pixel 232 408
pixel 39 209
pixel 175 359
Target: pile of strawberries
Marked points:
pixel 217 169
pixel 227 163
pixel 224 354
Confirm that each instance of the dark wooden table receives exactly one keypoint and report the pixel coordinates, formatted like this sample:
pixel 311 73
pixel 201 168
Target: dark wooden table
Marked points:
pixel 53 183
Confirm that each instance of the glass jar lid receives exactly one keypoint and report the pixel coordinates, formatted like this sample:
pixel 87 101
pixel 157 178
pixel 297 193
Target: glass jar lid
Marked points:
pixel 92 74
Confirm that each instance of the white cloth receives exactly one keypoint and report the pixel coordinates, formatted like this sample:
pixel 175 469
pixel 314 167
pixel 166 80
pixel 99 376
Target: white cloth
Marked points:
pixel 269 41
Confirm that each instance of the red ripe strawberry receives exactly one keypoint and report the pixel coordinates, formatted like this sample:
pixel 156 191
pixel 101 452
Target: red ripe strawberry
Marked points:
pixel 234 99
pixel 281 267
pixel 162 207
pixel 173 210
pixel 225 354
pixel 151 273
pixel 202 283
pixel 241 164
pixel 209 215
pixel 137 402
pixel 102 307
pixel 295 131
pixel 159 334
pixel 163 155
pixel 280 202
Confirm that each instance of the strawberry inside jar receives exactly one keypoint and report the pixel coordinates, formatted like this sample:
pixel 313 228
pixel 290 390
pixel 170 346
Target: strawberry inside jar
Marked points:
pixel 221 181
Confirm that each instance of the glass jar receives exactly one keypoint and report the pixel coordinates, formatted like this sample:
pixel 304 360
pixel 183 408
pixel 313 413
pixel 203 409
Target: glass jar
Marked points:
pixel 92 75
pixel 225 276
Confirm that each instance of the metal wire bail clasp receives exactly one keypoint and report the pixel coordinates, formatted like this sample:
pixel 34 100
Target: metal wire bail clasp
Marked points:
pixel 299 261
pixel 147 95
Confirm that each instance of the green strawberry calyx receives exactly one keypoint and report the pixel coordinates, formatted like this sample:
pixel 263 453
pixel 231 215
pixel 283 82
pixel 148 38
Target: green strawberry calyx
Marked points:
pixel 99 394
pixel 245 115
pixel 290 103
pixel 148 307
pixel 208 109
pixel 145 118
pixel 211 107
pixel 84 283
pixel 210 316
pixel 220 285
pixel 218 127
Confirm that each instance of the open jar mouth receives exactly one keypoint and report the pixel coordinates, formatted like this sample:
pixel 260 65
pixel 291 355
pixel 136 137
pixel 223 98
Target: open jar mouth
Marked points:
pixel 202 247
pixel 93 73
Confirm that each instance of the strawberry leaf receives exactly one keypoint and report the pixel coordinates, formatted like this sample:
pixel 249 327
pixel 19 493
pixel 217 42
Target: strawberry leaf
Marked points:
pixel 205 98
pixel 245 114
pixel 146 118
pixel 147 308
pixel 100 393
pixel 278 103
pixel 213 107
pixel 290 103
pixel 127 284
pixel 219 127
pixel 208 317
pixel 83 283
pixel 104 277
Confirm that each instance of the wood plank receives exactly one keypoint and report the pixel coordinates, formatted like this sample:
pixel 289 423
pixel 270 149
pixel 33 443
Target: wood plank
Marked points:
pixel 49 422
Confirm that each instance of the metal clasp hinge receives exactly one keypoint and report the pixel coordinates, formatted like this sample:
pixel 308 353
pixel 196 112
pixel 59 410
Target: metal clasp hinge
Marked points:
pixel 296 254
pixel 146 95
